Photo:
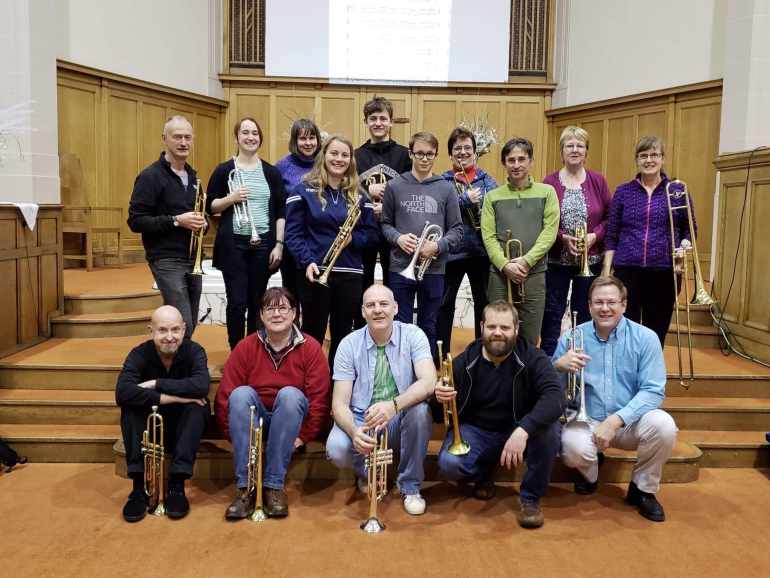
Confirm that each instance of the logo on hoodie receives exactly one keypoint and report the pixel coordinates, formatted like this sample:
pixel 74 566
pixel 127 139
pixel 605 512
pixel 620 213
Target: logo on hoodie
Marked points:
pixel 423 204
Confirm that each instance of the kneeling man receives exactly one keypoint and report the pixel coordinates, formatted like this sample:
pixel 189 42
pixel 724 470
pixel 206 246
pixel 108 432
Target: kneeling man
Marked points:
pixel 625 379
pixel 509 401
pixel 383 373
pixel 284 374
pixel 171 373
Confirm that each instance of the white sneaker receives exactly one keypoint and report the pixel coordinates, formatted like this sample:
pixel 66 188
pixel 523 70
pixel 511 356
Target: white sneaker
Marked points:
pixel 363 485
pixel 414 504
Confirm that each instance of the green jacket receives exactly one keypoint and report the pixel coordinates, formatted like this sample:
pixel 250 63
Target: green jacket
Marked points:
pixel 531 214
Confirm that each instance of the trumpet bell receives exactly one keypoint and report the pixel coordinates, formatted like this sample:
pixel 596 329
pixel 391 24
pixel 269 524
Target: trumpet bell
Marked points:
pixel 408 272
pixel 372 526
pixel 460 448
pixel 702 297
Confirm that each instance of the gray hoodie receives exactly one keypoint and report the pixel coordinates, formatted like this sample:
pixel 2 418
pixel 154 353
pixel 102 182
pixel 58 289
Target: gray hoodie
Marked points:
pixel 408 203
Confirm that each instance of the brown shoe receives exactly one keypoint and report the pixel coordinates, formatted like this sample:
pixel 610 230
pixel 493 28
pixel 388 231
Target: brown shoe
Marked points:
pixel 276 503
pixel 530 515
pixel 242 506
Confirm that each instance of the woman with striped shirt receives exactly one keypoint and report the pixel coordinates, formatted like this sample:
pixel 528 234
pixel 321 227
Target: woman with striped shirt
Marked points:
pixel 246 267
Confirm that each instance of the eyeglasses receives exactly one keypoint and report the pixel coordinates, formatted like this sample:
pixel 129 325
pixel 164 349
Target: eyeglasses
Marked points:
pixel 282 309
pixel 651 156
pixel 602 304
pixel 422 155
pixel 463 149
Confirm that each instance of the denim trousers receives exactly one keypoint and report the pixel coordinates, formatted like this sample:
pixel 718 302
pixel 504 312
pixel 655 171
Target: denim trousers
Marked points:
pixel 430 292
pixel 486 446
pixel 408 435
pixel 179 288
pixel 282 426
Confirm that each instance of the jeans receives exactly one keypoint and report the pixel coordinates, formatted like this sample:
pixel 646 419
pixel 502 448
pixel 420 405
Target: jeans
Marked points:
pixel 557 279
pixel 477 269
pixel 282 426
pixel 179 288
pixel 408 435
pixel 486 447
pixel 429 292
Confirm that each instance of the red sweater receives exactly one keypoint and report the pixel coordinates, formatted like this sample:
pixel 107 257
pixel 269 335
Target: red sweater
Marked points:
pixel 304 367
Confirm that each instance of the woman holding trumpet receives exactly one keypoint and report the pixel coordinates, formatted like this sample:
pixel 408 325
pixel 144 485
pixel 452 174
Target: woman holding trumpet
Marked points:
pixel 639 243
pixel 328 224
pixel 584 202
pixel 249 194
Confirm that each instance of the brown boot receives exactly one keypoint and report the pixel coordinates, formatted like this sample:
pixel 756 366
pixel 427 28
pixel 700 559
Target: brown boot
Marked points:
pixel 276 503
pixel 242 505
pixel 530 515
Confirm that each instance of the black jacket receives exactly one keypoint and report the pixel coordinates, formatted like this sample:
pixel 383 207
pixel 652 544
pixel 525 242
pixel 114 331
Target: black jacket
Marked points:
pixel 538 397
pixel 187 377
pixel 393 157
pixel 224 244
pixel 158 196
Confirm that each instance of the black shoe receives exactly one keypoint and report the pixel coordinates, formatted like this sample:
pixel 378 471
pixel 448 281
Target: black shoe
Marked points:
pixel 177 505
pixel 136 506
pixel 586 488
pixel 647 504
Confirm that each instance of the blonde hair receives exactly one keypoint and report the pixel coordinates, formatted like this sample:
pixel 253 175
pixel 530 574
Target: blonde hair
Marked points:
pixel 573 132
pixel 318 177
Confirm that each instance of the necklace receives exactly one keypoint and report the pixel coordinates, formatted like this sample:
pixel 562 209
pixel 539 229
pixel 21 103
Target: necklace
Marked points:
pixel 336 199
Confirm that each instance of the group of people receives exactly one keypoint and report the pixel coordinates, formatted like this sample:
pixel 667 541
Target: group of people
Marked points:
pixel 428 231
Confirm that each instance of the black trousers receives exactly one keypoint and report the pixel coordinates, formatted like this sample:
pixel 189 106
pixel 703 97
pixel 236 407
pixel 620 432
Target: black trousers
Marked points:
pixel 477 269
pixel 369 258
pixel 650 297
pixel 246 278
pixel 183 426
pixel 335 306
pixel 289 272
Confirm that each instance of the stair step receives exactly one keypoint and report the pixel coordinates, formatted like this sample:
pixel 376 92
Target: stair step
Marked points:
pixel 719 386
pixel 62 443
pixel 719 413
pixel 101 324
pixel 62 406
pixel 730 449
pixel 90 304
pixel 703 336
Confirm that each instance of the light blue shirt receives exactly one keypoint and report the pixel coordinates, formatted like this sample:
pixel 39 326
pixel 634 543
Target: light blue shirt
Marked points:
pixel 356 359
pixel 626 375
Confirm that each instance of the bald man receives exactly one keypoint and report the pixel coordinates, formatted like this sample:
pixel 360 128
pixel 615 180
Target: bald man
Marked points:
pixel 161 209
pixel 172 373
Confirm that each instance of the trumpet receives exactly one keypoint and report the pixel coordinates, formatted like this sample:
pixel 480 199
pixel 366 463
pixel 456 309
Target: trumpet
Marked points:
pixel 700 295
pixel 458 447
pixel 517 297
pixel 241 213
pixel 154 465
pixel 340 242
pixel 254 473
pixel 429 233
pixel 581 232
pixel 196 238
pixel 474 215
pixel 376 464
pixel 576 384
pixel 375 179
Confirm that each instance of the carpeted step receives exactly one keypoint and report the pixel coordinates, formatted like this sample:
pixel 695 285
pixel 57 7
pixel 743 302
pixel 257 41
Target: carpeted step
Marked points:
pixel 703 336
pixel 61 406
pixel 114 303
pixel 703 385
pixel 62 443
pixel 101 324
pixel 719 413
pixel 730 449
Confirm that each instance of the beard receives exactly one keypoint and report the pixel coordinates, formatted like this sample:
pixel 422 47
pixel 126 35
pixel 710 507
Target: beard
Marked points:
pixel 499 347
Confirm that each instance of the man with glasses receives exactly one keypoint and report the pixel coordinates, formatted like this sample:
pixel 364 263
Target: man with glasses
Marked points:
pixel 625 378
pixel 413 201
pixel 161 209
pixel 284 373
pixel 383 373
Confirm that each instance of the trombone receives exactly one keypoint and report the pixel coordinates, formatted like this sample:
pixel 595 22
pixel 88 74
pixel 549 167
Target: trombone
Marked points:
pixel 254 473
pixel 519 293
pixel 241 213
pixel 340 242
pixel 376 464
pixel 473 213
pixel 196 238
pixel 700 296
pixel 429 233
pixel 153 452
pixel 458 447
pixel 581 232
pixel 576 383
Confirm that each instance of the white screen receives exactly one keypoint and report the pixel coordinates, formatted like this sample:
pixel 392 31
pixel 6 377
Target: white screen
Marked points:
pixel 394 41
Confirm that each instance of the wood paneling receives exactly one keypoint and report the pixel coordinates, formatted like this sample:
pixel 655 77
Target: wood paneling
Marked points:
pixel 30 276
pixel 110 128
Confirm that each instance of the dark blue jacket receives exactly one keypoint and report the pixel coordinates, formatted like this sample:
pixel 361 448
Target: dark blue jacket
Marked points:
pixel 472 245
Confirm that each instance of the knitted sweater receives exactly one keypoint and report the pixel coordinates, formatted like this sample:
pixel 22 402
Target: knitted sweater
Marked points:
pixel 292 169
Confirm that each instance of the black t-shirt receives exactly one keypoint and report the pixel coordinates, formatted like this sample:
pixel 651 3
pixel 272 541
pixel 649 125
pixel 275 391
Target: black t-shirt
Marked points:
pixel 490 405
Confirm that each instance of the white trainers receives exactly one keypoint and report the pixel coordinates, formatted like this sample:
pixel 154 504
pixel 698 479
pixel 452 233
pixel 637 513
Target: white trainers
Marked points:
pixel 363 485
pixel 414 504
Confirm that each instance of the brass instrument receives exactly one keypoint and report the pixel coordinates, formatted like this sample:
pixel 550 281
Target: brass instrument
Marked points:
pixel 474 214
pixel 154 464
pixel 517 297
pixel 429 233
pixel 576 384
pixel 700 296
pixel 458 447
pixel 581 232
pixel 340 242
pixel 241 212
pixel 376 464
pixel 254 475
pixel 375 179
pixel 196 237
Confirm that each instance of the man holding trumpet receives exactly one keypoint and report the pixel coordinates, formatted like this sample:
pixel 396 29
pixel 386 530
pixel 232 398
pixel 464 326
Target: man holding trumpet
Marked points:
pixel 162 210
pixel 509 401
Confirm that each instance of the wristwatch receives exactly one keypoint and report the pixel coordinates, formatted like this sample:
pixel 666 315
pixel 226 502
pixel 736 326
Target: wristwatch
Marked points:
pixel 173 218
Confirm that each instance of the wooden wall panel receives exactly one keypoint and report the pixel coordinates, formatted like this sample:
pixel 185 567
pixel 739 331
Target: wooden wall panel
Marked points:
pixel 151 145
pixel 402 109
pixel 290 107
pixel 10 317
pixel 730 262
pixel 619 165
pixel 78 109
pixel 595 146
pixel 757 304
pixel 208 152
pixel 338 113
